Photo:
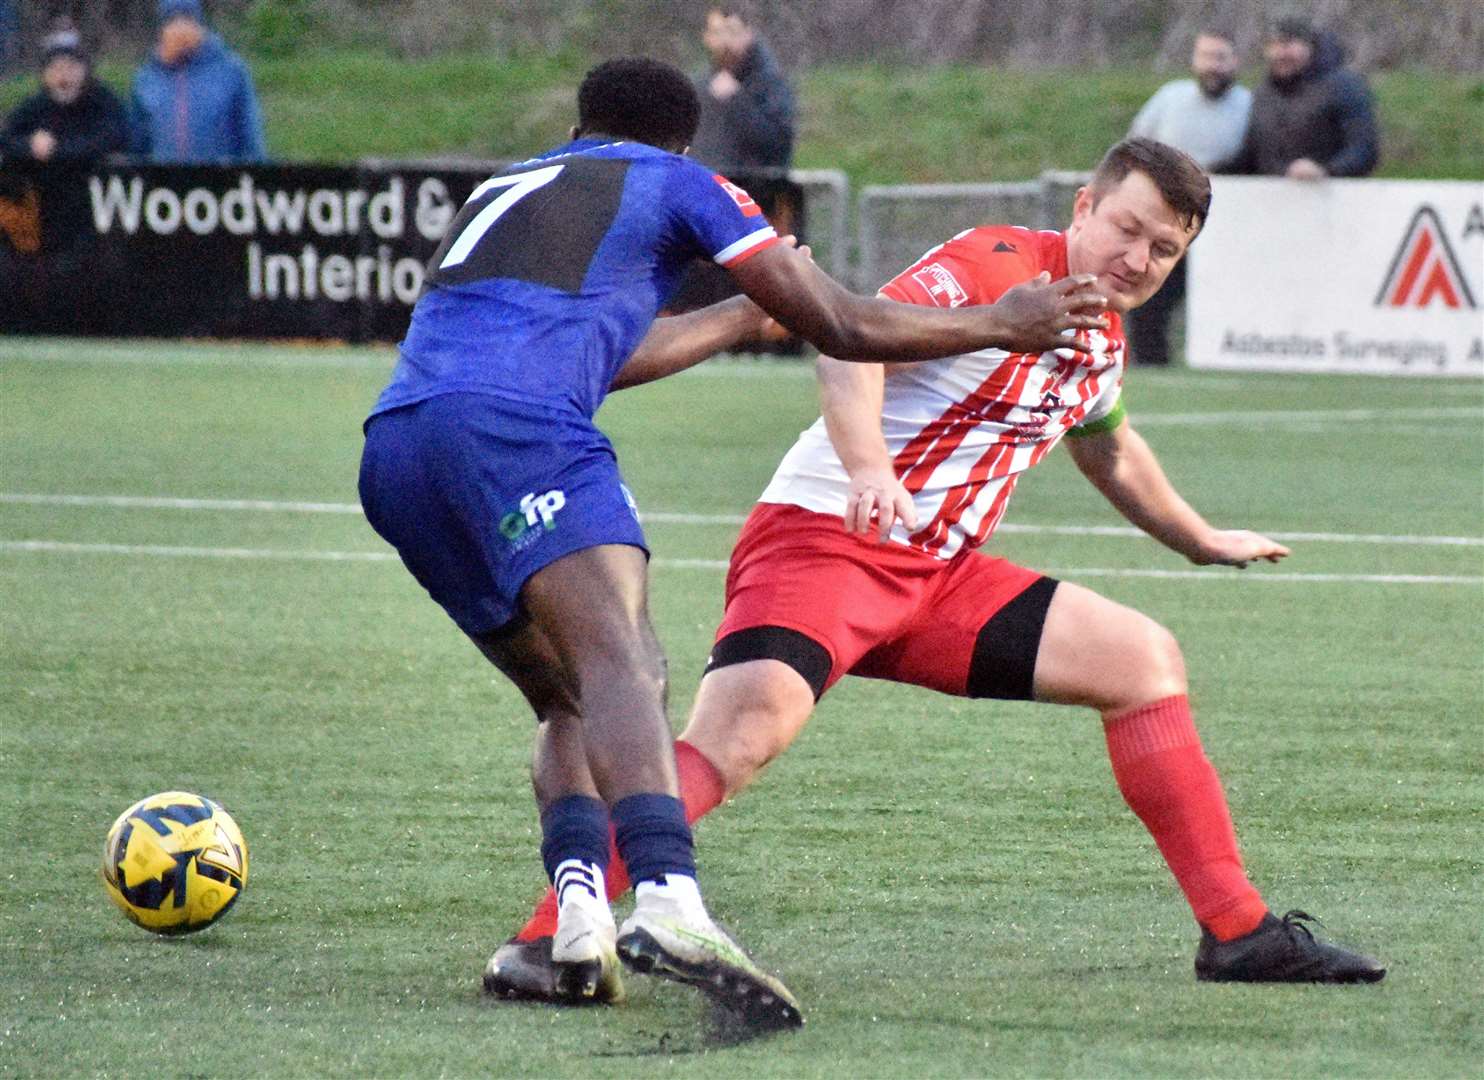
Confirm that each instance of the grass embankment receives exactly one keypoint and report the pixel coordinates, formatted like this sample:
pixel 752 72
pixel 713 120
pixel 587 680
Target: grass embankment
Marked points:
pixel 882 124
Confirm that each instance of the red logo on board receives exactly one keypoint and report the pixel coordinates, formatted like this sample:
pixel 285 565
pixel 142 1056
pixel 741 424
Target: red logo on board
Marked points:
pixel 743 200
pixel 1425 268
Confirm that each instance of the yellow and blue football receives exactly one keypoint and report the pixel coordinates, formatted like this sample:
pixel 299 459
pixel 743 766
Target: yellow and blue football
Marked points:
pixel 175 863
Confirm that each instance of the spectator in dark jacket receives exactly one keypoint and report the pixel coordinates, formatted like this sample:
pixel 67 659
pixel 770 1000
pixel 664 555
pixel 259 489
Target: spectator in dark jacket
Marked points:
pixel 747 107
pixel 1312 116
pixel 193 98
pixel 73 118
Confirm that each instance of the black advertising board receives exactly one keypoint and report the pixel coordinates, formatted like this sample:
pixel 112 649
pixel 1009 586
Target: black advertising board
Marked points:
pixel 274 251
pixel 282 251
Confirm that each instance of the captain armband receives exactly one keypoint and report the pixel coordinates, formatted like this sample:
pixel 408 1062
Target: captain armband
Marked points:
pixel 1102 426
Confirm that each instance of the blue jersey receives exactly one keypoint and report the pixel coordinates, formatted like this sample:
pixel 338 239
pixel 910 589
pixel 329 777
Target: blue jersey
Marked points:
pixel 553 271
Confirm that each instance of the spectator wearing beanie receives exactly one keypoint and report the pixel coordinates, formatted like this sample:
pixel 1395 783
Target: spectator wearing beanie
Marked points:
pixel 73 118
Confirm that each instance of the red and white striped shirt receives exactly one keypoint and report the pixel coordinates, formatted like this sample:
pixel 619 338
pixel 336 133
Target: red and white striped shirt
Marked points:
pixel 962 429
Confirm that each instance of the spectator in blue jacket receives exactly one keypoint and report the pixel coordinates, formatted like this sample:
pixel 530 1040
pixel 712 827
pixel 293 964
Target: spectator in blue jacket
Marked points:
pixel 9 26
pixel 193 99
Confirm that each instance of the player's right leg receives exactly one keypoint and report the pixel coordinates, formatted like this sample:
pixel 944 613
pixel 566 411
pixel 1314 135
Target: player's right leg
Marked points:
pixel 1101 654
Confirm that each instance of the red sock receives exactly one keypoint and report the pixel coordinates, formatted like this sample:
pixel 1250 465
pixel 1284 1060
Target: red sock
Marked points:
pixel 702 790
pixel 1166 779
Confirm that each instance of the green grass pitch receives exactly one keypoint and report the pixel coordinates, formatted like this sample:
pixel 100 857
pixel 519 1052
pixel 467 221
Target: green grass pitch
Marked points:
pixel 951 888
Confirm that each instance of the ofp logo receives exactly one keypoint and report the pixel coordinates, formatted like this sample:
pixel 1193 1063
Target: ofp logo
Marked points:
pixel 1425 269
pixel 520 526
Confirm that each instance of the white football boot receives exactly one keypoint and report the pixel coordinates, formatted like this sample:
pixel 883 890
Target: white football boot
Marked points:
pixel 584 959
pixel 671 935
pixel 578 965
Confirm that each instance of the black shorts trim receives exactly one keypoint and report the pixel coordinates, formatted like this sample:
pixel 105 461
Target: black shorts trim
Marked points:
pixel 1004 661
pixel 799 651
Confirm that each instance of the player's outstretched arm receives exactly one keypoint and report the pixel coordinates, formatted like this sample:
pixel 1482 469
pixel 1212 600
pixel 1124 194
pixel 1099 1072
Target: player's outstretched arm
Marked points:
pixel 683 341
pixel 1121 465
pixel 677 342
pixel 850 397
pixel 1031 317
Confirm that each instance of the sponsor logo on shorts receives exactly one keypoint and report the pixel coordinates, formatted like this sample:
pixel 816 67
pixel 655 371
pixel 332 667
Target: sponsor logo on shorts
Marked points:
pixel 535 516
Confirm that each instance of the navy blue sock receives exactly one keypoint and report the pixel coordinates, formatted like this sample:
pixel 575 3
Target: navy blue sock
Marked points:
pixel 574 827
pixel 653 837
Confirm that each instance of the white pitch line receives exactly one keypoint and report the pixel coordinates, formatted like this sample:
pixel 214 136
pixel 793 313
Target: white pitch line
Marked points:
pixel 153 502
pixel 170 551
pixel 1230 574
pixel 668 517
pixel 1299 416
pixel 264 355
pixel 290 555
pixel 251 355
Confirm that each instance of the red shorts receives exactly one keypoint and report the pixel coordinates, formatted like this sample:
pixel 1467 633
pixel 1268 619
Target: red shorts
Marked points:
pixel 968 626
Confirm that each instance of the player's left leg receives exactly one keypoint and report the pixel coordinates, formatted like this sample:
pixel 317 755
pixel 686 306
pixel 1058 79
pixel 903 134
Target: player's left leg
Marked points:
pixel 996 630
pixel 1098 653
pixel 525 969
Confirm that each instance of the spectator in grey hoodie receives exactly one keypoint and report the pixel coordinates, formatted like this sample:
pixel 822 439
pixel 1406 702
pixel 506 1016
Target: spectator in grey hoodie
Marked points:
pixel 1205 116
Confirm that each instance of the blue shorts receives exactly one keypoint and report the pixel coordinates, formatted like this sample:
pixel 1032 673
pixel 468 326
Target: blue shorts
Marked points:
pixel 477 493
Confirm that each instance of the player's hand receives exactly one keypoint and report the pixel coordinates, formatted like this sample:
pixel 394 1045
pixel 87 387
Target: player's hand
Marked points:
pixel 43 144
pixel 724 85
pixel 1037 313
pixel 1306 169
pixel 876 494
pixel 1237 547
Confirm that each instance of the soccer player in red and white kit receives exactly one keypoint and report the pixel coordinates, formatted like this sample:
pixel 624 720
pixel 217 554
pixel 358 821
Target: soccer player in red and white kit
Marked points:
pixel 920 461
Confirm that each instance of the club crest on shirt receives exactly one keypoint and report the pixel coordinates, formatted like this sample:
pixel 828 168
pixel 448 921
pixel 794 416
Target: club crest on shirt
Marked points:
pixel 941 286
pixel 744 201
pixel 1041 413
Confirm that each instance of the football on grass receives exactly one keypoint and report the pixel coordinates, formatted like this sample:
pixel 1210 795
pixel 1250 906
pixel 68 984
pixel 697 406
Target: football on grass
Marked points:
pixel 175 862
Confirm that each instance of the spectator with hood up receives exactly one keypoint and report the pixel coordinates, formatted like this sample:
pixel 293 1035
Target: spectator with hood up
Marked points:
pixel 193 98
pixel 1311 117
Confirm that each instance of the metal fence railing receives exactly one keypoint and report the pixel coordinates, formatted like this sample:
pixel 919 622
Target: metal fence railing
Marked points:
pixel 895 225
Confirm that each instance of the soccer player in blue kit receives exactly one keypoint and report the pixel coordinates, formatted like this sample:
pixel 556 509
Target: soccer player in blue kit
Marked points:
pixel 483 468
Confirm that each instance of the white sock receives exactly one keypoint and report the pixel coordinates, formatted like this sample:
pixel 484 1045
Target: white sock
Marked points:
pixel 677 889
pixel 581 883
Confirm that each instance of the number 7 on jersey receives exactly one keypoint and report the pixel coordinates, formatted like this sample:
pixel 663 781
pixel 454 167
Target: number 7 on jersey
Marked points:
pixel 520 185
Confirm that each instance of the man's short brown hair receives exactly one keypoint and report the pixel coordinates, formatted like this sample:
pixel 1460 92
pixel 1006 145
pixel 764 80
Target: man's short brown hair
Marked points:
pixel 1184 184
pixel 1217 30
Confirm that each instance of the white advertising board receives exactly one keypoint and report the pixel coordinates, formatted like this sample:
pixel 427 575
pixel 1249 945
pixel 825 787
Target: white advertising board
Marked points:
pixel 1373 276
